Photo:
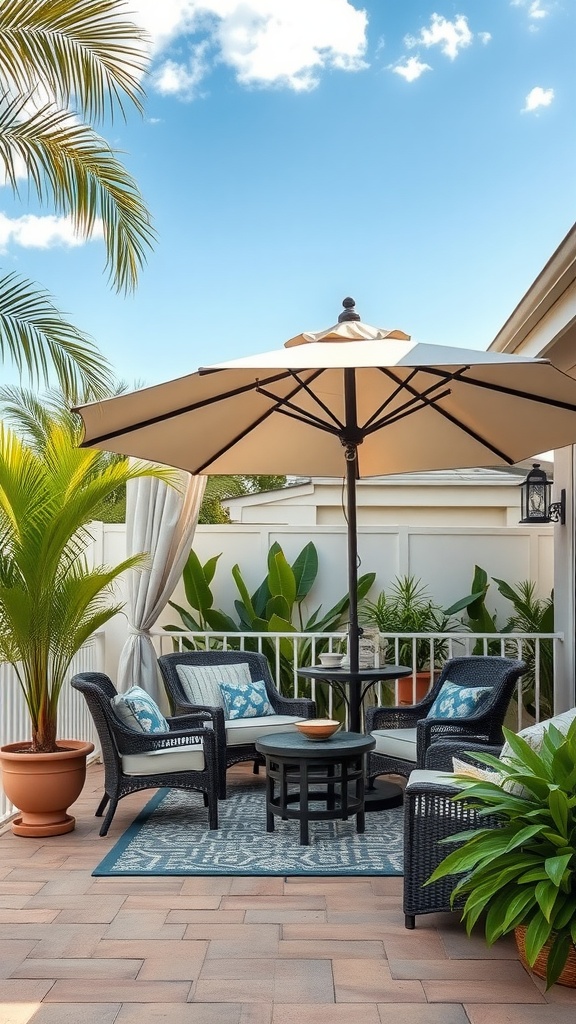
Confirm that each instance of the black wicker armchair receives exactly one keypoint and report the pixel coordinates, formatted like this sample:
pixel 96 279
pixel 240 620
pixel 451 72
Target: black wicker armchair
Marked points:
pixel 431 815
pixel 184 758
pixel 235 740
pixel 404 734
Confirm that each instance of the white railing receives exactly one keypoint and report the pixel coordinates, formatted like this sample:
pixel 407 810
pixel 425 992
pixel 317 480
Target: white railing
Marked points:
pixel 289 651
pixel 74 719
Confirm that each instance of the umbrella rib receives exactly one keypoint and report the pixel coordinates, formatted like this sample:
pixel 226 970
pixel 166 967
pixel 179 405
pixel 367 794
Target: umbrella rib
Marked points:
pixel 407 410
pixel 513 392
pixel 432 403
pixel 161 418
pixel 256 423
pixel 282 405
pixel 374 423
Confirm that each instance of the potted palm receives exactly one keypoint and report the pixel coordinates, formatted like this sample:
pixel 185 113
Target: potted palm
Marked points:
pixel 408 608
pixel 51 600
pixel 522 875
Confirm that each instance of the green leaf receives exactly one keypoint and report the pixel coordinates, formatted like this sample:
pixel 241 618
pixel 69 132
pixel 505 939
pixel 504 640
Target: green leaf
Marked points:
pixel 198 593
pixel 210 567
pixel 546 894
pixel 281 580
pixel 558 803
pixel 537 934
pixel 556 866
pixel 250 611
pixel 220 622
pixel 278 606
pixel 557 958
pixel 305 570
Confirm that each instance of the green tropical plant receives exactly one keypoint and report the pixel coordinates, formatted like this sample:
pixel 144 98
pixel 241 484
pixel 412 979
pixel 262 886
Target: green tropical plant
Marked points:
pixel 523 872
pixel 407 608
pixel 276 606
pixel 65 66
pixel 51 601
pixel 531 615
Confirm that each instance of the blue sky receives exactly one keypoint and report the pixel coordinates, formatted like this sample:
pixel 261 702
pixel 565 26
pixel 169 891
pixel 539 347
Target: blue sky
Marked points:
pixel 417 155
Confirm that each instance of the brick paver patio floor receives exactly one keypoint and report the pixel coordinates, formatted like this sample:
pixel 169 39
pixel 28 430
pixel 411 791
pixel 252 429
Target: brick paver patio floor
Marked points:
pixel 81 950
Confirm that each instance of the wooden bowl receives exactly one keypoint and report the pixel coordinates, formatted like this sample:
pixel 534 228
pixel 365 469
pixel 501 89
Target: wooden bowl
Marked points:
pixel 318 728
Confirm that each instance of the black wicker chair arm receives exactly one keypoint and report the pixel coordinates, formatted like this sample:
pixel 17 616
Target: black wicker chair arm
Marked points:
pixel 294 706
pixel 190 721
pixel 404 717
pixel 132 742
pixel 439 755
pixel 432 730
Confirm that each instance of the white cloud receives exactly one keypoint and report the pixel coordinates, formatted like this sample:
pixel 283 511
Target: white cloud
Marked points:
pixel 265 42
pixel 450 36
pixel 175 79
pixel 33 232
pixel 535 9
pixel 538 97
pixel 411 69
pixel 484 37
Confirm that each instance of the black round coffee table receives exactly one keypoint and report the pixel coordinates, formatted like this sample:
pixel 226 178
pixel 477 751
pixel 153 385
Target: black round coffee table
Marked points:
pixel 334 767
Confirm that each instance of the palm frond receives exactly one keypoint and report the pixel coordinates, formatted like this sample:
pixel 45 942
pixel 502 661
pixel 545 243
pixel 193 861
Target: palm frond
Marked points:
pixel 77 169
pixel 83 50
pixel 36 336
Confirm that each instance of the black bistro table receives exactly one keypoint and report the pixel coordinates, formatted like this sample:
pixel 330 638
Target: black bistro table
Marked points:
pixel 353 687
pixel 336 765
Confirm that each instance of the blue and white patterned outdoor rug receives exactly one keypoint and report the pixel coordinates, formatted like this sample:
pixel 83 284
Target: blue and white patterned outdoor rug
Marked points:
pixel 170 837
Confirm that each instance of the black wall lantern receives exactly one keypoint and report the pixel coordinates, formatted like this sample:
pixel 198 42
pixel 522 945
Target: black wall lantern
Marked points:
pixel 535 499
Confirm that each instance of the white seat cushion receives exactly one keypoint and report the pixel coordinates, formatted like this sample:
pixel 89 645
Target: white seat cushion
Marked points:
pixel 427 777
pixel 400 743
pixel 247 730
pixel 189 757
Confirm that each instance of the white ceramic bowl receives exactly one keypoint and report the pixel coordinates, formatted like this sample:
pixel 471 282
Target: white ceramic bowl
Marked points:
pixel 331 660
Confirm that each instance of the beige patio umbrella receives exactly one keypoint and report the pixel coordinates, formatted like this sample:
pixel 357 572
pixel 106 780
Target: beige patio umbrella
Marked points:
pixel 352 400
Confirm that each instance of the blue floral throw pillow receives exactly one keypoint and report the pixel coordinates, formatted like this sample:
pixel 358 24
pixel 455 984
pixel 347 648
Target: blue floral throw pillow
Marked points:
pixel 246 700
pixel 139 711
pixel 455 701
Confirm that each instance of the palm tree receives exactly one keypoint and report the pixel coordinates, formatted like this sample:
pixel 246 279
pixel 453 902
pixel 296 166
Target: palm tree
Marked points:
pixel 65 66
pixel 51 600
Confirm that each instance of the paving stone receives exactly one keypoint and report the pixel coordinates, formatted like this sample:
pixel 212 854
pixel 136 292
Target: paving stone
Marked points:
pixel 145 901
pixel 251 886
pixel 331 949
pixel 460 946
pixel 26 916
pixel 144 925
pixel 304 981
pixel 300 1013
pixel 361 981
pixel 464 991
pixel 221 917
pixel 273 903
pixel 233 991
pixel 423 1013
pixel 521 1013
pixel 77 1013
pixel 237 970
pixel 206 886
pixel 89 909
pixel 181 1013
pixel 77 967
pixel 156 948
pixel 455 970
pixel 72 940
pixel 85 991
pixel 283 916
pixel 326 930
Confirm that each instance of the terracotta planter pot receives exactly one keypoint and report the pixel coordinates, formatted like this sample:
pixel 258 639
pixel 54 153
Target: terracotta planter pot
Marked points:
pixel 423 684
pixel 568 976
pixel 43 786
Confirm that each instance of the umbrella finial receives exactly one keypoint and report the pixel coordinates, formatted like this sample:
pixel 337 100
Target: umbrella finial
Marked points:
pixel 349 311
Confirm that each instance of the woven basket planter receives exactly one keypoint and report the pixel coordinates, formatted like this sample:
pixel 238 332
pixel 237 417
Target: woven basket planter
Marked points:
pixel 568 976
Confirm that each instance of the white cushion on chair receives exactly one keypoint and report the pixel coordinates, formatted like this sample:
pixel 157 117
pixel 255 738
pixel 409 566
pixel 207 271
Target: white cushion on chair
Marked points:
pixel 400 743
pixel 201 683
pixel 429 777
pixel 187 758
pixel 247 730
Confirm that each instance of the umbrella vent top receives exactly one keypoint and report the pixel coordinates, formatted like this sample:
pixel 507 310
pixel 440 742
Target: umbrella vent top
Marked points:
pixel 349 311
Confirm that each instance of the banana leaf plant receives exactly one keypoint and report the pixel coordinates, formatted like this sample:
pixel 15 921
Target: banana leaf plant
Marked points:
pixel 276 606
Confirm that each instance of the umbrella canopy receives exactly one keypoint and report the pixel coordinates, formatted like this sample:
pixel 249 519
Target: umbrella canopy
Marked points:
pixel 354 400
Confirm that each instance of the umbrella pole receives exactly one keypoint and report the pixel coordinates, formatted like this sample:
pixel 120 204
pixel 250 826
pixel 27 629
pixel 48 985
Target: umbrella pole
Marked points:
pixel 353 629
pixel 350 440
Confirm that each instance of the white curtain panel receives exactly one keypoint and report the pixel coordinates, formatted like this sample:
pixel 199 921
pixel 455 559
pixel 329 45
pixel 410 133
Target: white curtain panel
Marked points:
pixel 160 519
